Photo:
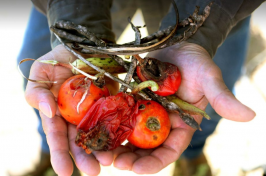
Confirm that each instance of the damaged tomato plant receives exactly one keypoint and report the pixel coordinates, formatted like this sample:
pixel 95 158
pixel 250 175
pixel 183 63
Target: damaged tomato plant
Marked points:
pixel 152 125
pixel 107 124
pixel 167 75
pixel 104 121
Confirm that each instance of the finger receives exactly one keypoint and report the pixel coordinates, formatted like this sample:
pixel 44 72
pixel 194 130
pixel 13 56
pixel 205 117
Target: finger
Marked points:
pixel 222 99
pixel 56 134
pixel 105 158
pixel 40 95
pixel 170 151
pixel 128 154
pixel 144 162
pixel 127 159
pixel 87 163
pixel 152 161
pixel 120 150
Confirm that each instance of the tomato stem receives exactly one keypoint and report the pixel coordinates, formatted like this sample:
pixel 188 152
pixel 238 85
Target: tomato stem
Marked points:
pixel 140 60
pixel 97 68
pixel 129 74
pixel 187 107
pixel 152 84
pixel 55 63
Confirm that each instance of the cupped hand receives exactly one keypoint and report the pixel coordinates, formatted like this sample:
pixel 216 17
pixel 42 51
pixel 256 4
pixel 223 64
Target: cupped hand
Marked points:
pixel 60 134
pixel 202 82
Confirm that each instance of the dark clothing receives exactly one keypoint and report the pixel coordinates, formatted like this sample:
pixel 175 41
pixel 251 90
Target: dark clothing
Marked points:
pixel 224 15
pixel 95 14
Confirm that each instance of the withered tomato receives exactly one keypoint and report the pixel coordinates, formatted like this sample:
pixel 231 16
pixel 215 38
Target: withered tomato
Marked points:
pixel 152 125
pixel 167 75
pixel 76 95
pixel 107 124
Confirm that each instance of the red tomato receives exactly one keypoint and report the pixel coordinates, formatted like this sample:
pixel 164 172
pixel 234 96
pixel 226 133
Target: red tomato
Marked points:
pixel 76 96
pixel 168 78
pixel 152 125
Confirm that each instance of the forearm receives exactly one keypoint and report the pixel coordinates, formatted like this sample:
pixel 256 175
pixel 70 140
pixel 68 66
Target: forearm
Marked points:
pixel 93 14
pixel 224 15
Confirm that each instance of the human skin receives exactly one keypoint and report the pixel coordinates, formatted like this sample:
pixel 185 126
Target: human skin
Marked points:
pixel 201 83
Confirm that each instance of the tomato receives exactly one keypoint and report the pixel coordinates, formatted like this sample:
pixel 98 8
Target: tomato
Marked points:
pixel 107 124
pixel 152 125
pixel 76 96
pixel 167 75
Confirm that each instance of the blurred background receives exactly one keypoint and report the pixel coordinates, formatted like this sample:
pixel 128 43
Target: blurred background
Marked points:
pixel 234 149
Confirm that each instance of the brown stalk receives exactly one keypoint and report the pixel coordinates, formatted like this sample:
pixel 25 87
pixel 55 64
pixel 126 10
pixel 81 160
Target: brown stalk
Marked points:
pixel 97 68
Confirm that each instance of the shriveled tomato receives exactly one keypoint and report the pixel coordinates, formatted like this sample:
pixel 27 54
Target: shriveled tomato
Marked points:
pixel 167 75
pixel 152 125
pixel 107 124
pixel 76 95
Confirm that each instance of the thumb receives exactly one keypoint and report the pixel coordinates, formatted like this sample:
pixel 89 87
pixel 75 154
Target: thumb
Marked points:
pixel 39 95
pixel 224 102
pixel 42 95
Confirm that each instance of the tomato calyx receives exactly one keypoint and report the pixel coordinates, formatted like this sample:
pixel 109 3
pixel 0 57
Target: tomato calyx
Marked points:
pixel 153 124
pixel 100 81
pixel 93 140
pixel 153 69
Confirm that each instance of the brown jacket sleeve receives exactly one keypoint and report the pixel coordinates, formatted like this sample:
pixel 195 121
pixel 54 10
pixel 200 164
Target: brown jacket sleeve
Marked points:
pixel 94 14
pixel 224 15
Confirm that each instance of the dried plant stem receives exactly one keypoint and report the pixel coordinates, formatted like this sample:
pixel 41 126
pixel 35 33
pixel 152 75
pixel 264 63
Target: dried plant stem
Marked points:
pixel 164 38
pixel 133 64
pixel 156 35
pixel 170 106
pixel 129 74
pixel 133 50
pixel 93 66
pixel 80 29
pixel 187 106
pixel 97 68
pixel 137 32
pixel 120 61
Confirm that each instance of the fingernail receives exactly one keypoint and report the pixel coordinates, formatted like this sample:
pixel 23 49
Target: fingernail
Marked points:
pixel 46 109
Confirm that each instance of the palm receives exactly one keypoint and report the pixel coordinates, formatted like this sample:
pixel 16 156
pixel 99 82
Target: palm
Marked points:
pixel 201 82
pixel 61 135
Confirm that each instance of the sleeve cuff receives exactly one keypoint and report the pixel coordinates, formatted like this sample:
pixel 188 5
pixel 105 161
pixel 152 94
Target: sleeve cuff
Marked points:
pixel 213 31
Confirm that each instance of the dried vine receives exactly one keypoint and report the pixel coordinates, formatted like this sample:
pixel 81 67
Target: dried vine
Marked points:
pixel 89 43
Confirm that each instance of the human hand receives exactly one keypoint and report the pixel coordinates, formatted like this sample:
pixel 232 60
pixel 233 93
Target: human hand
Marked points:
pixel 60 134
pixel 202 82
